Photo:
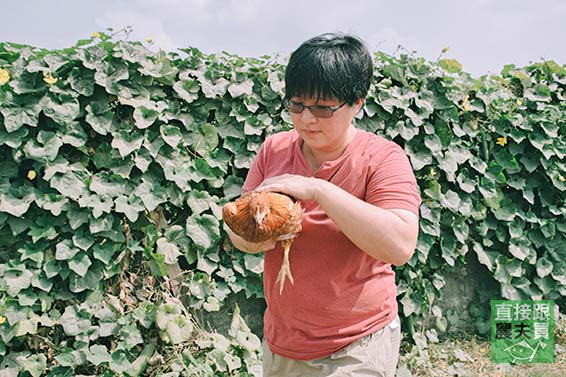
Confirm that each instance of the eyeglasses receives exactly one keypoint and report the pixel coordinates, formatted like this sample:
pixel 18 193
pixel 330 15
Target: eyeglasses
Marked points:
pixel 316 110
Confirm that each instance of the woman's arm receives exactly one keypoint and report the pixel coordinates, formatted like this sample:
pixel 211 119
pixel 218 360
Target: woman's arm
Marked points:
pixel 388 235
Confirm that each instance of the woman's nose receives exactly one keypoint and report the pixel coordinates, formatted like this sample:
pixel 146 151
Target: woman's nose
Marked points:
pixel 307 116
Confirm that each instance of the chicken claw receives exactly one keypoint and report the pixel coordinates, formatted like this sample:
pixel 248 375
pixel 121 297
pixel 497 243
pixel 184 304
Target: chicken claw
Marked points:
pixel 285 270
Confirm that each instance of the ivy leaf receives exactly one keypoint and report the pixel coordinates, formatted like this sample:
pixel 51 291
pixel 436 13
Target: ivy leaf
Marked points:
pixel 179 329
pixel 104 183
pixel 131 206
pixel 544 267
pixel 65 250
pixel 253 263
pixel 243 88
pixel 99 120
pixel 72 323
pixel 18 116
pixel 203 230
pixel 69 184
pixel 171 134
pixel 187 89
pixel 17 279
pixel 35 364
pixel 17 200
pixel 150 195
pixel 205 139
pixel 145 117
pixel 45 148
pixel 80 264
pixel 199 201
pixel 169 250
pixel 98 354
pixel 520 249
pixel 127 142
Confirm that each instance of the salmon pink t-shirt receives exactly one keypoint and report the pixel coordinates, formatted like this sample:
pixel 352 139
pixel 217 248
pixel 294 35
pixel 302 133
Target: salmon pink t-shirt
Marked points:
pixel 340 293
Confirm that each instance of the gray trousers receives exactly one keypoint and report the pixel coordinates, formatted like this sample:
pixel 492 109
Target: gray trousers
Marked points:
pixel 373 355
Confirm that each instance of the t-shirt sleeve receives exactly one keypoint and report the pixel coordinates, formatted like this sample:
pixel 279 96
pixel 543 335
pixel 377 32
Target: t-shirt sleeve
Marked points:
pixel 391 182
pixel 256 174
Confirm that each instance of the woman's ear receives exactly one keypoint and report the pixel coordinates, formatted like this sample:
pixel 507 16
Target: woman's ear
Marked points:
pixel 359 104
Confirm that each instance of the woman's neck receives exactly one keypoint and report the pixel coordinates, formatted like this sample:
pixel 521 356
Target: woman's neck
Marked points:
pixel 317 158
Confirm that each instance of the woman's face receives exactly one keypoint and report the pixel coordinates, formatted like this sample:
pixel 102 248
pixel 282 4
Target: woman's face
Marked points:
pixel 324 134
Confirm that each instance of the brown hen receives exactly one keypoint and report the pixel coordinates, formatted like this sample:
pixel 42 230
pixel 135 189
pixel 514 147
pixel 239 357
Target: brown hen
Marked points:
pixel 263 216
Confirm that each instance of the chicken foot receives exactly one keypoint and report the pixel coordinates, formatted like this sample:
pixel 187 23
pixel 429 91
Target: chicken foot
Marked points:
pixel 285 270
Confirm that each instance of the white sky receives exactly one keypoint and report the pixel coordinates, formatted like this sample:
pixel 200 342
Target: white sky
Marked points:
pixel 483 35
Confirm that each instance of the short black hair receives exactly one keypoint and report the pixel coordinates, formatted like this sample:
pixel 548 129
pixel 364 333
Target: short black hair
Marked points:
pixel 330 66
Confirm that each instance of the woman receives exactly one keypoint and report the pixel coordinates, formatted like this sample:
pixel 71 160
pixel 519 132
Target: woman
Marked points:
pixel 361 202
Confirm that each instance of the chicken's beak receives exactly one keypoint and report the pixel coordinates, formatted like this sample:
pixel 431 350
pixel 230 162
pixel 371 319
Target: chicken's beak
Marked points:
pixel 260 214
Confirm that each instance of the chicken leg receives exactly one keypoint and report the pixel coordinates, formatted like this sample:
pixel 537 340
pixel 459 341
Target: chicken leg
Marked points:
pixel 285 270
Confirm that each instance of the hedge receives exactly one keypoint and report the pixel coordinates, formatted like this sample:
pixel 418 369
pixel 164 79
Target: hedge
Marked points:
pixel 115 161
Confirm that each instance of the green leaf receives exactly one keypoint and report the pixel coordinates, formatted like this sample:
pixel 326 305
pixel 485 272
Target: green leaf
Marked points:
pixel 203 230
pixel 35 364
pixel 17 279
pixel 127 142
pixel 199 201
pixel 18 116
pixel 17 200
pixel 65 250
pixel 179 329
pixel 131 206
pixel 104 183
pixel 145 117
pixel 150 194
pixel 72 323
pixel 63 109
pixel 82 81
pixel 239 89
pixel 544 267
pixel 187 89
pixel 520 249
pixel 171 134
pixel 80 264
pixel 450 65
pixel 205 140
pixel 98 354
pixel 45 148
pixel 253 263
pixel 70 184
pixel 169 250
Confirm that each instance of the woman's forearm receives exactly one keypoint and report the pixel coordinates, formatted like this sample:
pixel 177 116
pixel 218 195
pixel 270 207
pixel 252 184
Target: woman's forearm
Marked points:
pixel 386 235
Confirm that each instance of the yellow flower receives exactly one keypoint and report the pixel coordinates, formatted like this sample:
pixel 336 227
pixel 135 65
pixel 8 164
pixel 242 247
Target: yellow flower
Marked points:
pixel 95 35
pixel 149 40
pixel 445 49
pixel 562 179
pixel 4 76
pixel 501 141
pixel 49 79
pixel 2 320
pixel 519 102
pixel 31 175
pixel 466 104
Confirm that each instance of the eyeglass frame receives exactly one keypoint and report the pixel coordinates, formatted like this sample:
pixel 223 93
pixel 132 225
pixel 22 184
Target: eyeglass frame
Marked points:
pixel 288 103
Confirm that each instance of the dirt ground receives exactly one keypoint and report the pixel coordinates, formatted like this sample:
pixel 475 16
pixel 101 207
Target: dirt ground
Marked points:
pixel 471 357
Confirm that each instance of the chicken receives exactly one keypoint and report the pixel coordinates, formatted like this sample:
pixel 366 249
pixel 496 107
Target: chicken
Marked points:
pixel 263 216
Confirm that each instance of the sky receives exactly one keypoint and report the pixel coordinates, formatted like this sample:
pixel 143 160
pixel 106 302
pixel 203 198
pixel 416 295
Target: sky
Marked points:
pixel 483 35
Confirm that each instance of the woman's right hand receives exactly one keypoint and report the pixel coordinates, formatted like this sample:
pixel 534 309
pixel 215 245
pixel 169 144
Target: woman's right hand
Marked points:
pixel 249 247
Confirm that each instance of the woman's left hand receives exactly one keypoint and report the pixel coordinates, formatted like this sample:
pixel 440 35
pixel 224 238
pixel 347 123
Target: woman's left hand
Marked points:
pixel 297 186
